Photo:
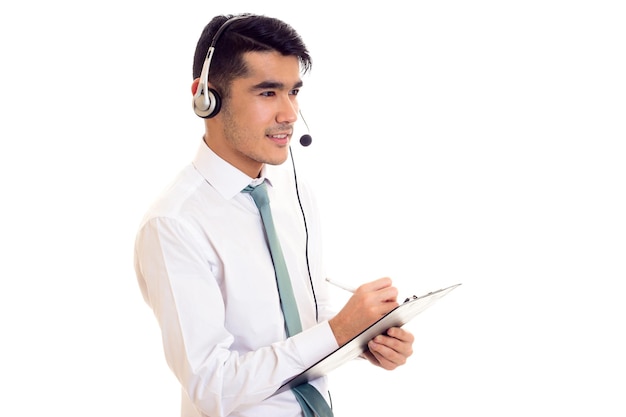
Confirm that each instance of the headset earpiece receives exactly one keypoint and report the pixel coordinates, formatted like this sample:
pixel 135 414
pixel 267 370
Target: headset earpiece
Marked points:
pixel 207 102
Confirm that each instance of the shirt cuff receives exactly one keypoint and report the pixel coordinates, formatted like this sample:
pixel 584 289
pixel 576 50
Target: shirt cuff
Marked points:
pixel 315 343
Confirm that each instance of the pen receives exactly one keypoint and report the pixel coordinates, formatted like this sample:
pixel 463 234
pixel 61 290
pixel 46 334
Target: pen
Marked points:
pixel 340 285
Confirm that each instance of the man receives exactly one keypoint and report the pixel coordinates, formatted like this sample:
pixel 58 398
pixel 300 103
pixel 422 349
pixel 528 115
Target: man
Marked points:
pixel 202 256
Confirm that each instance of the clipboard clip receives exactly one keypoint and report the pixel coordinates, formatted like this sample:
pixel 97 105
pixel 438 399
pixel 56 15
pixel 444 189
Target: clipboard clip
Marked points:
pixel 415 297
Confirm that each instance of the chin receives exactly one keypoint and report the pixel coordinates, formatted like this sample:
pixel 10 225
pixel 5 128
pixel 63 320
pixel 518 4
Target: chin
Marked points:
pixel 278 158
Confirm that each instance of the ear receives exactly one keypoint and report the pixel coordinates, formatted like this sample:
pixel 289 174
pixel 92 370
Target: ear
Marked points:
pixel 194 86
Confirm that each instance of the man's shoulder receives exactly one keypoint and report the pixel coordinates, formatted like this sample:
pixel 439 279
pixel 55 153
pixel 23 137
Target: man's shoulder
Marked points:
pixel 177 195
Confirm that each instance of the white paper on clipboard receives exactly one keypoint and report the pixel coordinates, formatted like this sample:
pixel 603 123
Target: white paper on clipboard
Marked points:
pixel 397 317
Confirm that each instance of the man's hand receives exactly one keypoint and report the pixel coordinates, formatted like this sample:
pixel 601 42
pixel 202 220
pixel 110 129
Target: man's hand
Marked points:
pixel 369 303
pixel 391 350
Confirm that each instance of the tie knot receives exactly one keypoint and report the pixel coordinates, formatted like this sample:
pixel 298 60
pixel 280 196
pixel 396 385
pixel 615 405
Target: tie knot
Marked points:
pixel 259 194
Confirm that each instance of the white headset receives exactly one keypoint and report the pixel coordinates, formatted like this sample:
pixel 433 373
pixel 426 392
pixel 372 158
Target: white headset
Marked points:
pixel 207 101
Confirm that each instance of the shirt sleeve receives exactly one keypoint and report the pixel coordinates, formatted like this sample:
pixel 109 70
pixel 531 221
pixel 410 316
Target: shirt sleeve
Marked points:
pixel 178 284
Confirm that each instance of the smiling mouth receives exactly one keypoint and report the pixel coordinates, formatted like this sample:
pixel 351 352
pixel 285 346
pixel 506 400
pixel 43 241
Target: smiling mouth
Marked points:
pixel 280 138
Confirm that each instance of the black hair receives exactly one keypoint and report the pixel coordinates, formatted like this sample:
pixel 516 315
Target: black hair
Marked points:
pixel 251 33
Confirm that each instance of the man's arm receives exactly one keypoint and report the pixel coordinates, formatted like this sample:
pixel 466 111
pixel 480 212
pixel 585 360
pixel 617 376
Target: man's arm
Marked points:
pixel 179 285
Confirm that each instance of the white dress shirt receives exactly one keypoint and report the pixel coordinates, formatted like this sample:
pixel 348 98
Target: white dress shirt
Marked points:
pixel 203 266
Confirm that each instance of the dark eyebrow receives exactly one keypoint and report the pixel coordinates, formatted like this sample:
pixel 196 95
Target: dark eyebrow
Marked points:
pixel 274 85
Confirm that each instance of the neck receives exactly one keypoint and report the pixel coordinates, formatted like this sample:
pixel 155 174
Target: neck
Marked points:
pixel 247 166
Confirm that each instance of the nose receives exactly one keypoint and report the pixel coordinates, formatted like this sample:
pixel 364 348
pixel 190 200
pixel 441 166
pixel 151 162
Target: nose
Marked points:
pixel 287 110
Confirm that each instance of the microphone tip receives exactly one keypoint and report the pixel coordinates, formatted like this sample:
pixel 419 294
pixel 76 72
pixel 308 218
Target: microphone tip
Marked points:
pixel 306 140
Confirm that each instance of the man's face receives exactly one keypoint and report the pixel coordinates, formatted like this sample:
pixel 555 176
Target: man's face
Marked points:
pixel 258 116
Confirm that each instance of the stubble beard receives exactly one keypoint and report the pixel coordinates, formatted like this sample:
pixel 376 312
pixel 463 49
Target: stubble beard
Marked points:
pixel 243 141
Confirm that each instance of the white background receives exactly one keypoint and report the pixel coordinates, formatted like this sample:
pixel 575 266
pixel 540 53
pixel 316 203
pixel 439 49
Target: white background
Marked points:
pixel 488 135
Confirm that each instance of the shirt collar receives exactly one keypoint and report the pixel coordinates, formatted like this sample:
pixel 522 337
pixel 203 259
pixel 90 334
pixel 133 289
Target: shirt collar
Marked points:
pixel 224 177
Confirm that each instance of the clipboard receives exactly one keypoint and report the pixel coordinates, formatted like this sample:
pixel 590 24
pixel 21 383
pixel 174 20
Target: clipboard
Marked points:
pixel 397 317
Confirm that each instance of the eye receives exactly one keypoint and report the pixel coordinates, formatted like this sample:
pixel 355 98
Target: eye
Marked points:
pixel 295 92
pixel 268 93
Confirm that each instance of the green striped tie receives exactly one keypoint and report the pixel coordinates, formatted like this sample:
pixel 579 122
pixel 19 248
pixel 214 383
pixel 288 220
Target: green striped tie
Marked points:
pixel 310 399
